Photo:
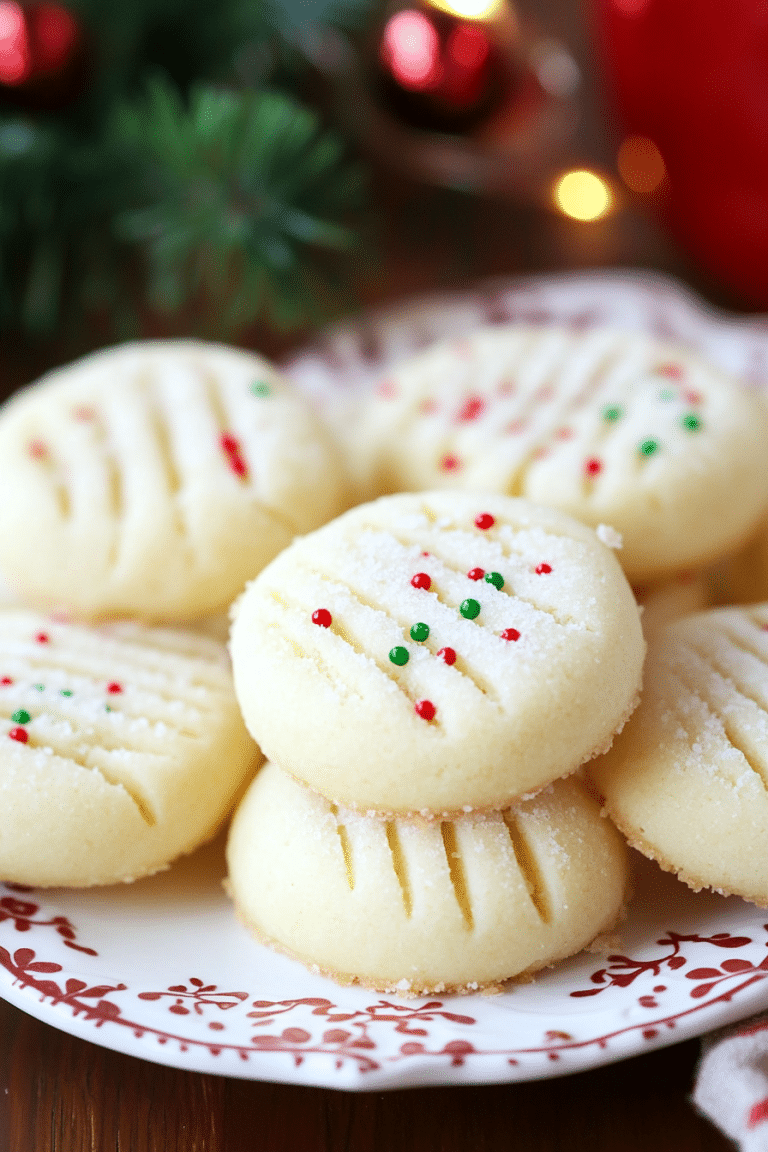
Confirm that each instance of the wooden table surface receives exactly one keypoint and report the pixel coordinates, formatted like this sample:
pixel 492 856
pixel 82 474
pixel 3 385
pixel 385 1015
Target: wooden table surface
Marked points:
pixel 62 1094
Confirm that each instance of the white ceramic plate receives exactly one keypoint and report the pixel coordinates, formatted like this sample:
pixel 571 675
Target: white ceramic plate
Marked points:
pixel 161 969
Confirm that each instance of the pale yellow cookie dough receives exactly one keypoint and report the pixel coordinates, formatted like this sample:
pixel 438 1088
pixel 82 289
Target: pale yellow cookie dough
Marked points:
pixel 121 748
pixel 522 677
pixel 153 479
pixel 411 906
pixel 609 426
pixel 687 780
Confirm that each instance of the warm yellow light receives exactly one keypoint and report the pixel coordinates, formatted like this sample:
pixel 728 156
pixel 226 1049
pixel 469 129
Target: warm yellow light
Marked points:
pixel 470 9
pixel 583 195
pixel 641 164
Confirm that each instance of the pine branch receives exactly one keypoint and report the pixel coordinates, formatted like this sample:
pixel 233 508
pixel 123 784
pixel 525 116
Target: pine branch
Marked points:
pixel 244 199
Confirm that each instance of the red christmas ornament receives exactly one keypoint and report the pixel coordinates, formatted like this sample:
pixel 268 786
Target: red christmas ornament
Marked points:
pixel 690 85
pixel 439 72
pixel 41 55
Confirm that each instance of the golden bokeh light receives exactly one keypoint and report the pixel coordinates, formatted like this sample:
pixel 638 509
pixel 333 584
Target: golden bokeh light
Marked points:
pixel 583 195
pixel 470 9
pixel 640 163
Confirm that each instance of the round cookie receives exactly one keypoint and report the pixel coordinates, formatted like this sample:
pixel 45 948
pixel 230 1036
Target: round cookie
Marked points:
pixel 466 903
pixel 121 748
pixel 437 653
pixel 152 480
pixel 687 780
pixel 612 427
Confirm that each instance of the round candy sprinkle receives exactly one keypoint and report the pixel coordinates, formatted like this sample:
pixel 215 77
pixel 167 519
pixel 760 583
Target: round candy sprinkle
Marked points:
pixel 671 371
pixel 447 655
pixel 484 521
pixel 691 421
pixel 510 634
pixel 648 447
pixel 259 388
pixel 42 638
pixel 66 692
pixel 422 580
pixel 472 407
pixel 450 463
pixel 470 609
pixel 322 617
pixel 399 655
pixel 38 450
pixel 19 734
pixel 692 397
pixel 6 680
pixel 593 466
pixel 21 716
pixel 419 631
pixel 543 569
pixel 425 709
pixel 114 688
pixel 40 687
pixel 476 573
pixel 495 578
pixel 611 413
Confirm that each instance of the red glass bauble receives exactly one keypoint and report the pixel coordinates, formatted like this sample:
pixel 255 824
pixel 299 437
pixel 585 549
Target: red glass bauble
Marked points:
pixel 439 72
pixel 41 55
pixel 692 76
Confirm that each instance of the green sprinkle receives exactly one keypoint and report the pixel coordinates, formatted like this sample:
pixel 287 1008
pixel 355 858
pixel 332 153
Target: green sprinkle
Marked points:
pixel 648 447
pixel 612 412
pixel 40 687
pixel 691 421
pixel 107 708
pixel 666 394
pixel 260 388
pixel 399 655
pixel 495 578
pixel 21 717
pixel 470 609
pixel 66 692
pixel 419 631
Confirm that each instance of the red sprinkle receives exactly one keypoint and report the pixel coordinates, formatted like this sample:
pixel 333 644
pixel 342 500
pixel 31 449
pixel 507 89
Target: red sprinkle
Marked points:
pixel 510 634
pixel 84 414
pixel 472 407
pixel 421 580
pixel 450 463
pixel 672 371
pixel 38 450
pixel 476 573
pixel 114 688
pixel 6 680
pixel 692 397
pixel 564 433
pixel 543 569
pixel 42 638
pixel 229 443
pixel 484 520
pixel 506 388
pixel 593 466
pixel 425 709
pixel 19 734
pixel 238 465
pixel 448 655
pixel 322 617
pixel 428 407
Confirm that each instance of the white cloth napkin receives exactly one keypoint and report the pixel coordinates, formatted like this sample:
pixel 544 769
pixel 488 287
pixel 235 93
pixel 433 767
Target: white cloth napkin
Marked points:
pixel 732 1082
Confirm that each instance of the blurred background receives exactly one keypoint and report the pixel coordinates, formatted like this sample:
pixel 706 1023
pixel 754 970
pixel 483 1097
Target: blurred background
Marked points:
pixel 249 170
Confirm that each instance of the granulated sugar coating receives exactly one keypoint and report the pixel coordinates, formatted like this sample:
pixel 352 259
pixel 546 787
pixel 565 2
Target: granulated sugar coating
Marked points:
pixel 543 670
pixel 687 781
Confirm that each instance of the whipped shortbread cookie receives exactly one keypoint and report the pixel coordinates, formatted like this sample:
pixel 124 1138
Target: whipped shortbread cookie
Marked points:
pixel 121 747
pixel 437 652
pixel 411 906
pixel 612 427
pixel 687 780
pixel 153 479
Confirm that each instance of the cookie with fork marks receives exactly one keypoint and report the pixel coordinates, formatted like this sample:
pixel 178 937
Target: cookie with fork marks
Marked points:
pixel 121 747
pixel 437 652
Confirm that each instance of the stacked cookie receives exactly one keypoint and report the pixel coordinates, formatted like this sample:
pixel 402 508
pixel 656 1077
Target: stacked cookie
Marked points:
pixel 147 482
pixel 419 667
